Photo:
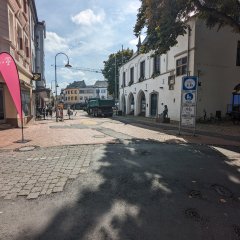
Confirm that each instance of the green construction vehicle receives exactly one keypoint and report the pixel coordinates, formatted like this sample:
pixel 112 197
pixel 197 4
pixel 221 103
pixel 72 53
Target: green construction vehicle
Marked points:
pixel 100 107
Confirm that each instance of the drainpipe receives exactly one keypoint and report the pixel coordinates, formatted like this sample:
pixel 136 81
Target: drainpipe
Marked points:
pixel 188 50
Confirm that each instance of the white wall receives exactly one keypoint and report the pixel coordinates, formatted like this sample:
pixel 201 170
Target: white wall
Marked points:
pixel 216 53
pixel 159 85
pixel 212 56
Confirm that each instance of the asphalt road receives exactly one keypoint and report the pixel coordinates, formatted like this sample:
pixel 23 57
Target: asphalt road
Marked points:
pixel 135 191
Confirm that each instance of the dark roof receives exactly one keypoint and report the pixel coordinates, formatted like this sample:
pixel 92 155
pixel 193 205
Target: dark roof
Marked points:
pixel 100 84
pixel 77 84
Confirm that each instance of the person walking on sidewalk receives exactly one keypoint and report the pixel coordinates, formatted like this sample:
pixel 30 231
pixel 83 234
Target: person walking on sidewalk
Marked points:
pixel 69 112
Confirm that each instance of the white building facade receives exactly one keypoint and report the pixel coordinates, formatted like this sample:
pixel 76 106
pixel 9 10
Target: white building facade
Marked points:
pixel 148 83
pixel 100 89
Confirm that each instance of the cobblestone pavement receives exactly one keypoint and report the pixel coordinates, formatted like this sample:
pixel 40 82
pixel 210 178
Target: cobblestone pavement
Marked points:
pixel 42 171
pixel 59 156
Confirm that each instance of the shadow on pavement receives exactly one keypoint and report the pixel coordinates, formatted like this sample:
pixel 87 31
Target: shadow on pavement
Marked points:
pixel 147 190
pixel 172 129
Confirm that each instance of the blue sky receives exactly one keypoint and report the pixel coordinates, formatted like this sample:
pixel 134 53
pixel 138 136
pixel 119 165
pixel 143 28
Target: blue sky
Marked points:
pixel 87 31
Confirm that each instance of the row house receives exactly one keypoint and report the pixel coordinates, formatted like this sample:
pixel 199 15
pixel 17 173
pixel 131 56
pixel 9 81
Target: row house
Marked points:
pixel 79 92
pixel 149 82
pixel 18 21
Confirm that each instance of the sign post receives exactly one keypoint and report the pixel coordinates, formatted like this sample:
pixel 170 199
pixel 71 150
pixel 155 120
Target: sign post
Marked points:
pixel 188 109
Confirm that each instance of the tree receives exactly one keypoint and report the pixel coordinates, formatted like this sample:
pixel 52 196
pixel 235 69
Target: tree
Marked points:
pixel 109 68
pixel 165 20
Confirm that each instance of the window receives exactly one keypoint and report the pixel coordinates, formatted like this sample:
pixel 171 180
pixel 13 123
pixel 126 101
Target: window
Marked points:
pixel 238 54
pixel 81 91
pixel 11 27
pixel 71 98
pixel 75 91
pixel 81 98
pixel 171 82
pixel 26 47
pixel 68 98
pixel 131 76
pixel 19 38
pixel 71 91
pixel 181 66
pixel 103 91
pixel 25 6
pixel 142 70
pixel 89 91
pixel 156 64
pixel 26 102
pixel 75 97
pixel 124 79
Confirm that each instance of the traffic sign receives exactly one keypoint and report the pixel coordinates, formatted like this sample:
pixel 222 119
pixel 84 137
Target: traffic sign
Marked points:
pixel 189 102
pixel 189 98
pixel 189 83
pixel 188 111
pixel 189 122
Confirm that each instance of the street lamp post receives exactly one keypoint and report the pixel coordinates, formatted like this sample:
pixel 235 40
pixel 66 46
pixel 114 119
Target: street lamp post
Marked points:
pixel 68 66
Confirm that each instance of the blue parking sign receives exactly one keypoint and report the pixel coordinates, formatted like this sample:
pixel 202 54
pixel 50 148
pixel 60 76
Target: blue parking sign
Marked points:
pixel 189 96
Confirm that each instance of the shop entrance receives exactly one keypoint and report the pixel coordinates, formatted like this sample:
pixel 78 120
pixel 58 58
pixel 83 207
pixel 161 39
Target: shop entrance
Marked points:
pixel 2 112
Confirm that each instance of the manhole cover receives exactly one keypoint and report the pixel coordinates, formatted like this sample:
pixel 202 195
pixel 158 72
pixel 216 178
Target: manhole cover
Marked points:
pixel 99 136
pixel 195 194
pixel 27 148
pixel 237 230
pixel 222 191
pixel 192 214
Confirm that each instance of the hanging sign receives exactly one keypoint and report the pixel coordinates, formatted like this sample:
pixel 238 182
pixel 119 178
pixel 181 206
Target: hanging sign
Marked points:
pixel 36 77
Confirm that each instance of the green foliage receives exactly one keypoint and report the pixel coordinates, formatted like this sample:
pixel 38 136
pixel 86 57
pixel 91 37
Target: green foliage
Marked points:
pixel 165 20
pixel 109 68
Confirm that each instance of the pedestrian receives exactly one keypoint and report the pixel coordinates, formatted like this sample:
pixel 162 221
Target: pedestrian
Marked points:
pixel 69 112
pixel 61 114
pixel 165 112
pixel 50 111
pixel 204 114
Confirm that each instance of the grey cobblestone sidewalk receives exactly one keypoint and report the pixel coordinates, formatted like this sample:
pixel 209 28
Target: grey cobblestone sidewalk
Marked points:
pixel 42 171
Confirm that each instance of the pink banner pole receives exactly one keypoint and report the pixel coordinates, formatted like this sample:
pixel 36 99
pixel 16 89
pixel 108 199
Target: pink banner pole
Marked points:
pixel 11 76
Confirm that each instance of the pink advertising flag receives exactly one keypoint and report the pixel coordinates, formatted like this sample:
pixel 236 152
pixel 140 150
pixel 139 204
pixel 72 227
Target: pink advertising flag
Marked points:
pixel 9 71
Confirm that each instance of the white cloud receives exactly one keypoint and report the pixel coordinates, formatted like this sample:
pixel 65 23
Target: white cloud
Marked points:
pixel 132 7
pixel 72 75
pixel 88 17
pixel 55 43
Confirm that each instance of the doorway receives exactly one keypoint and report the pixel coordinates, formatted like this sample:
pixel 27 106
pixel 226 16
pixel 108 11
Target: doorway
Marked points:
pixel 154 105
pixel 142 105
pixel 2 112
